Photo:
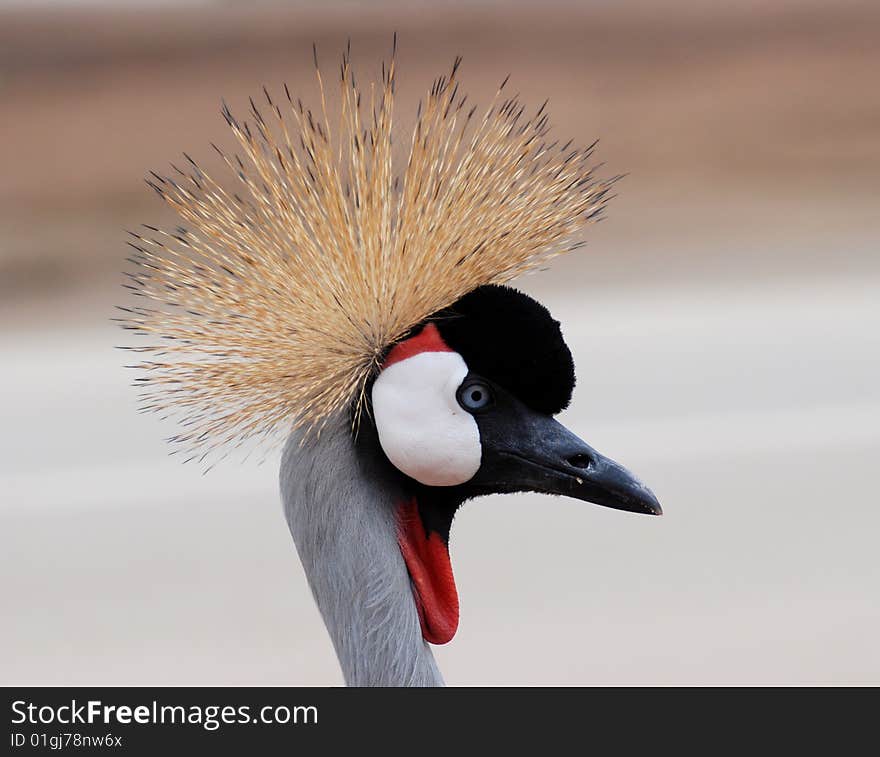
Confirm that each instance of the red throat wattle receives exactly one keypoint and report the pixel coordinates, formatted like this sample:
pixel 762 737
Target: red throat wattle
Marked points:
pixel 427 560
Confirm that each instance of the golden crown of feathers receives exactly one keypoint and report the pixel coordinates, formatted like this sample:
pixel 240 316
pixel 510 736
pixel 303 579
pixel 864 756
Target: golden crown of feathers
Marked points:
pixel 276 302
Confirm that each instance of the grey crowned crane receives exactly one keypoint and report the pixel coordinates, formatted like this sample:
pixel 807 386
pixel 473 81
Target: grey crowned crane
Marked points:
pixel 366 318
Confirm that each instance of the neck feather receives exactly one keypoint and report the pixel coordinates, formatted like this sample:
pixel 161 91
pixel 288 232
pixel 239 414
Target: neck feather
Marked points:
pixel 340 503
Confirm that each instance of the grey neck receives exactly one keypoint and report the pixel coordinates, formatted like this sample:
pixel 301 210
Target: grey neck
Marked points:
pixel 340 507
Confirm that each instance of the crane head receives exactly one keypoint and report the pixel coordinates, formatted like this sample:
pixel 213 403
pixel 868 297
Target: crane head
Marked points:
pixel 464 407
pixel 467 403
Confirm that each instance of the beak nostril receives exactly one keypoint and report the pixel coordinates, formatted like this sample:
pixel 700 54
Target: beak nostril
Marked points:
pixel 579 460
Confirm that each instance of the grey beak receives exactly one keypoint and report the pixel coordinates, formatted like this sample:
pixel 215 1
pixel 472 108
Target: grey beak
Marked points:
pixel 528 451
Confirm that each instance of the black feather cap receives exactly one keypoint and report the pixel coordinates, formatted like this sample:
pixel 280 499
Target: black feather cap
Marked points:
pixel 511 339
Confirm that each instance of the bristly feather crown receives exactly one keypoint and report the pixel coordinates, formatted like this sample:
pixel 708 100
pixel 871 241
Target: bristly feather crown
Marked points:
pixel 274 305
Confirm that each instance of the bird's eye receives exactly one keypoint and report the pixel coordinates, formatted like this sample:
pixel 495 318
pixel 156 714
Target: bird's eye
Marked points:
pixel 475 396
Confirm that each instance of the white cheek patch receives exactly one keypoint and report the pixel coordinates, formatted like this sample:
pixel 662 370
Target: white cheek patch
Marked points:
pixel 423 430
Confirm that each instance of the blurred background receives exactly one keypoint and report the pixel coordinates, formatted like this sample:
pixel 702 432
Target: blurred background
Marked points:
pixel 724 320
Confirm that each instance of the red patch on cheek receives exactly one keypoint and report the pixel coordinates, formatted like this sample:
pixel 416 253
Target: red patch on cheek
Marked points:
pixel 427 340
pixel 427 560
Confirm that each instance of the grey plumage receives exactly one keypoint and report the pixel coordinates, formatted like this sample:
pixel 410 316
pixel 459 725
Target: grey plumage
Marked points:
pixel 340 507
